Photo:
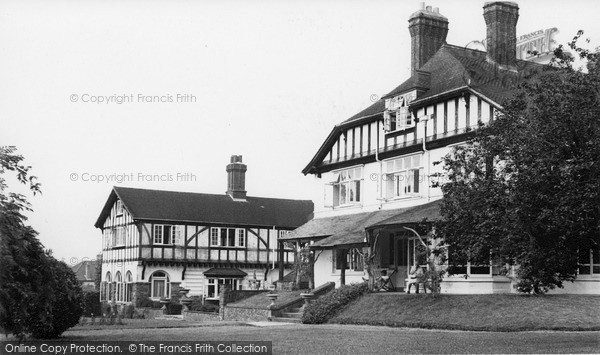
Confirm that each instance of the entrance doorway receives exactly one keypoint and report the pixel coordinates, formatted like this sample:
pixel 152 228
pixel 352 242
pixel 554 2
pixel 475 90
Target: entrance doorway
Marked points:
pixel 403 254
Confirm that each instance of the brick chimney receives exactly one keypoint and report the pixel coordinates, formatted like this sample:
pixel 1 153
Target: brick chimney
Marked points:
pixel 501 39
pixel 428 30
pixel 236 178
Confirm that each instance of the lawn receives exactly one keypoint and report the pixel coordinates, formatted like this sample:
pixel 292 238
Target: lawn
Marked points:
pixel 503 312
pixel 351 339
pixel 86 324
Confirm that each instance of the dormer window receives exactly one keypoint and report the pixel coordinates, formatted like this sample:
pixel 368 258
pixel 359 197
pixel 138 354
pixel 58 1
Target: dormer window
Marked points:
pixel 397 117
pixel 398 120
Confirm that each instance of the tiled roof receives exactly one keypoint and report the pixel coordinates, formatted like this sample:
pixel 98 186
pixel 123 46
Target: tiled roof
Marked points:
pixel 377 107
pixel 350 229
pixel 173 206
pixel 80 273
pixel 454 67
pixel 453 70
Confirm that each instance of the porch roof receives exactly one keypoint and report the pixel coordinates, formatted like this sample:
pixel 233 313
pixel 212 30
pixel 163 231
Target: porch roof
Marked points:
pixel 416 214
pixel 348 230
pixel 225 272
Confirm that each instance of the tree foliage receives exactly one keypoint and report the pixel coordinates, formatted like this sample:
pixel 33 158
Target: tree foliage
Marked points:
pixel 526 189
pixel 38 294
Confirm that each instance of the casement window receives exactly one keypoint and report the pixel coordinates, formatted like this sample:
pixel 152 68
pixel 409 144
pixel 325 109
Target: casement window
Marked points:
pixel 214 286
pixel 160 286
pixel 109 287
pixel 397 117
pixel 403 177
pixel 241 237
pixel 354 260
pixel 227 237
pixel 397 120
pixel 283 233
pixel 589 261
pixel 345 189
pixel 119 208
pixel 167 234
pixel 119 287
pixel 128 286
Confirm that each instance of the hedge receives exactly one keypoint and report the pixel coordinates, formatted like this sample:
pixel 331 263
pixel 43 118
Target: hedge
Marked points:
pixel 327 306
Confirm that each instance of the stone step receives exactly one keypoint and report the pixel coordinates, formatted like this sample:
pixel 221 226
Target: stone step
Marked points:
pixel 286 320
pixel 291 314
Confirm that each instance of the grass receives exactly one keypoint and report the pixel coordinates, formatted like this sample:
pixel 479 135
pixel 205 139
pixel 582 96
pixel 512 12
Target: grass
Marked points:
pixel 261 301
pixel 148 324
pixel 502 313
pixel 350 339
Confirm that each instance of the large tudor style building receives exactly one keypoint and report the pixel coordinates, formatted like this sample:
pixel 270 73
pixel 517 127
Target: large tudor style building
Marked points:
pixel 376 167
pixel 154 242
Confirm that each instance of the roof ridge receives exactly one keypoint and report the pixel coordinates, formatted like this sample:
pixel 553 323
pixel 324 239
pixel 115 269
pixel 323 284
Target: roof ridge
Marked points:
pixel 205 193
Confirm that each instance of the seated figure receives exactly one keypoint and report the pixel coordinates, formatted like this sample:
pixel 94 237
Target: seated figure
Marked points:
pixel 415 278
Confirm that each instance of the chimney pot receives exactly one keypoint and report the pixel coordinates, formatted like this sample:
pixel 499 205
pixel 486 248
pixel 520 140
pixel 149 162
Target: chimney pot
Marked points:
pixel 422 6
pixel 436 10
pixel 428 8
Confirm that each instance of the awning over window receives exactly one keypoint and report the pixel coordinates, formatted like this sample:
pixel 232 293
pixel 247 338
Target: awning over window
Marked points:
pixel 350 230
pixel 224 272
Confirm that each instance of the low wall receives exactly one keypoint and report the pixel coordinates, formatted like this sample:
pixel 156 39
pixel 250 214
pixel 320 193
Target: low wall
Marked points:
pixel 149 313
pixel 237 295
pixel 197 316
pixel 245 314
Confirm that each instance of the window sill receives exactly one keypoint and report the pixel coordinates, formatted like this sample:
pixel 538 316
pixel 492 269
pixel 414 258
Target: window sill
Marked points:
pixel 403 198
pixel 354 205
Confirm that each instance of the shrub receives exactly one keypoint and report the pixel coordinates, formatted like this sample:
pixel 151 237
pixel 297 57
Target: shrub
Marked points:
pixel 91 303
pixel 64 301
pixel 128 311
pixel 174 308
pixel 327 306
pixel 146 302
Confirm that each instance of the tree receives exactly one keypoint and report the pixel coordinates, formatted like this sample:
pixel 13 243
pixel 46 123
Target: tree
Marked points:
pixel 525 191
pixel 38 294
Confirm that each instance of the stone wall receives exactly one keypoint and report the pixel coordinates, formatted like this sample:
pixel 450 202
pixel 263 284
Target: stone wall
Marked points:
pixel 245 314
pixel 196 316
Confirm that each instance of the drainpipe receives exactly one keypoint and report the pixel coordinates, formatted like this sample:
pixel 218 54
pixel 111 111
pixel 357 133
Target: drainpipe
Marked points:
pixel 380 178
pixel 425 119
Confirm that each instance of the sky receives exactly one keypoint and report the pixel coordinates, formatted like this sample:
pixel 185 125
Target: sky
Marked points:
pixel 199 81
